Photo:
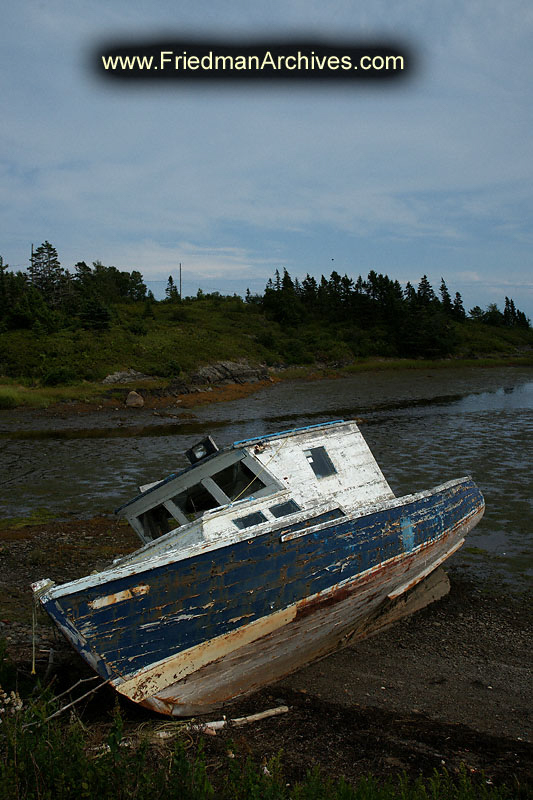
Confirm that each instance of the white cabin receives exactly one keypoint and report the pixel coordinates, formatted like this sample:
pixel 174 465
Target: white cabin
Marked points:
pixel 251 486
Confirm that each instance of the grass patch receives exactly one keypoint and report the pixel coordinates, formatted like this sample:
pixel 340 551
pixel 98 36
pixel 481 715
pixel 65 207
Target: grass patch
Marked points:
pixel 9 397
pixel 40 758
pixel 37 516
pixel 377 365
pixel 15 396
pixel 313 372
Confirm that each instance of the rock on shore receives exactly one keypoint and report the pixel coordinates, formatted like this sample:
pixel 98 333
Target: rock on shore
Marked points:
pixel 221 373
pixel 224 372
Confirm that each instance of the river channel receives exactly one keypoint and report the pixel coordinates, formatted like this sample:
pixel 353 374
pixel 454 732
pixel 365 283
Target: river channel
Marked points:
pixel 423 426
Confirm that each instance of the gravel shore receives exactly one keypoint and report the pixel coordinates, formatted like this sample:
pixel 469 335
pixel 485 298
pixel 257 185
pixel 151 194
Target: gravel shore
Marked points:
pixel 450 685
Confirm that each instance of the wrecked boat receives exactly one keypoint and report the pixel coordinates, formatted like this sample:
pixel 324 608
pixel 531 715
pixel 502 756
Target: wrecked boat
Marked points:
pixel 256 560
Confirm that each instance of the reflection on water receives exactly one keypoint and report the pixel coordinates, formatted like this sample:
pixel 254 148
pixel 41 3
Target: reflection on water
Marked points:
pixel 423 429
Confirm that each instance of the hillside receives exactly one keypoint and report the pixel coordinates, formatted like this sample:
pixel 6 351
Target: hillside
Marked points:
pixel 62 329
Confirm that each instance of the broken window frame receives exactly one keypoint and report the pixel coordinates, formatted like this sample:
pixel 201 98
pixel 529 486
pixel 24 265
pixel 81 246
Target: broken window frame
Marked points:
pixel 165 492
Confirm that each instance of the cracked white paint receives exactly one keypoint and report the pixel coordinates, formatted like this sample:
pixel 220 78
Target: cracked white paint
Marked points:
pixel 233 663
pixel 119 597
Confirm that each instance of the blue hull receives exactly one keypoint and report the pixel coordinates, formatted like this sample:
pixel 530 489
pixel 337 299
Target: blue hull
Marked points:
pixel 125 624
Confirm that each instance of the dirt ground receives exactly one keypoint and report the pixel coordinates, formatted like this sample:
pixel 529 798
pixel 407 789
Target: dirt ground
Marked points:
pixel 449 685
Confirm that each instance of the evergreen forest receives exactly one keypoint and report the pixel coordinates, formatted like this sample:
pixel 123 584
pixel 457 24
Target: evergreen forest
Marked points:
pixel 61 326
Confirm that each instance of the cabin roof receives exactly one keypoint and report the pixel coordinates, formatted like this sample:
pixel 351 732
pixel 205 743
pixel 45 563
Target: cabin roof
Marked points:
pixel 289 432
pixel 213 456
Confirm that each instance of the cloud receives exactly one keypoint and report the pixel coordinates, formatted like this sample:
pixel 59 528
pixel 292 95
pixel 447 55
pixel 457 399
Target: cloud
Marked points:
pixel 437 171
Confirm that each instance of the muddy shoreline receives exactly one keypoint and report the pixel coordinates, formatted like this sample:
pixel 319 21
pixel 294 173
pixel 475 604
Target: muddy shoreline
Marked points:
pixel 449 685
pixel 226 381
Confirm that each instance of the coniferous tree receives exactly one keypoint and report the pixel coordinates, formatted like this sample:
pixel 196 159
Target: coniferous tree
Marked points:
pixel 346 290
pixel 459 313
pixel 521 320
pixel 68 298
pixel 83 277
pixel 46 273
pixel 94 314
pixel 335 282
pixel 513 317
pixel 287 284
pixel 359 285
pixel 509 313
pixel 322 295
pixel 171 292
pixel 425 293
pixel 135 288
pixel 410 293
pixel 446 300
pixel 309 291
pixel 289 309
pixel 476 313
pixel 372 284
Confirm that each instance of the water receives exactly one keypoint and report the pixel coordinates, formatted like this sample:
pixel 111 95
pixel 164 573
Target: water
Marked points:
pixel 424 427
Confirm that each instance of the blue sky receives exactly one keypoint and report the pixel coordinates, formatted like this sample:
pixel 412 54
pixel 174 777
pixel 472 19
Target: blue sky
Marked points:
pixel 429 175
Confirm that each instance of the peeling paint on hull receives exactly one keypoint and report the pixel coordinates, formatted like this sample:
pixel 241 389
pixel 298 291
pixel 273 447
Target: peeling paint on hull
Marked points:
pixel 319 627
pixel 186 630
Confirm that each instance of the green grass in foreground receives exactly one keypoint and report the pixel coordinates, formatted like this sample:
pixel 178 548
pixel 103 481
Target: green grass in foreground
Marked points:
pixel 58 759
pixel 40 759
pixel 37 516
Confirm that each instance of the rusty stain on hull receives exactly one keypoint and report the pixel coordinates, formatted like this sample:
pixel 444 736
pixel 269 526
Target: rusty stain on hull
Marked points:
pixel 326 632
pixel 320 555
pixel 175 669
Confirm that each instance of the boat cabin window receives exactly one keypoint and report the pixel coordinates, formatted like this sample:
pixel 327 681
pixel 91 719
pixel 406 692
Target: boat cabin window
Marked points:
pixel 194 500
pixel 320 462
pixel 157 522
pixel 250 519
pixel 238 481
pixel 282 509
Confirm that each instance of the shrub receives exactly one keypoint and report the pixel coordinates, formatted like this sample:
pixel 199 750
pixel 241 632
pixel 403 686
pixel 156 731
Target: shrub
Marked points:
pixel 9 398
pixel 59 375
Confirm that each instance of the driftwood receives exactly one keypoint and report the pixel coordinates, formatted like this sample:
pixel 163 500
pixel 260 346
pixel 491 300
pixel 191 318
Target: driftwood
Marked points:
pixel 212 727
pixel 169 730
pixel 71 704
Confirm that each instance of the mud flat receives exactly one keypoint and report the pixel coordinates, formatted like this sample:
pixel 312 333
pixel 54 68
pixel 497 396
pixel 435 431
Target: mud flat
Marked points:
pixel 451 685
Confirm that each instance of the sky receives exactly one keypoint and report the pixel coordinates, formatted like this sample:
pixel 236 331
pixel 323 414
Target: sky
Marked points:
pixel 431 174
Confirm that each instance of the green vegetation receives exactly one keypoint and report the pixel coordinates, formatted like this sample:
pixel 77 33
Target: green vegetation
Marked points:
pixel 37 516
pixel 62 332
pixel 14 394
pixel 50 758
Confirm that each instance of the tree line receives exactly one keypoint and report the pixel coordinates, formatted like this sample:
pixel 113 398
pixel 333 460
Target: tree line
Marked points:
pixel 46 297
pixel 373 315
pixel 408 321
